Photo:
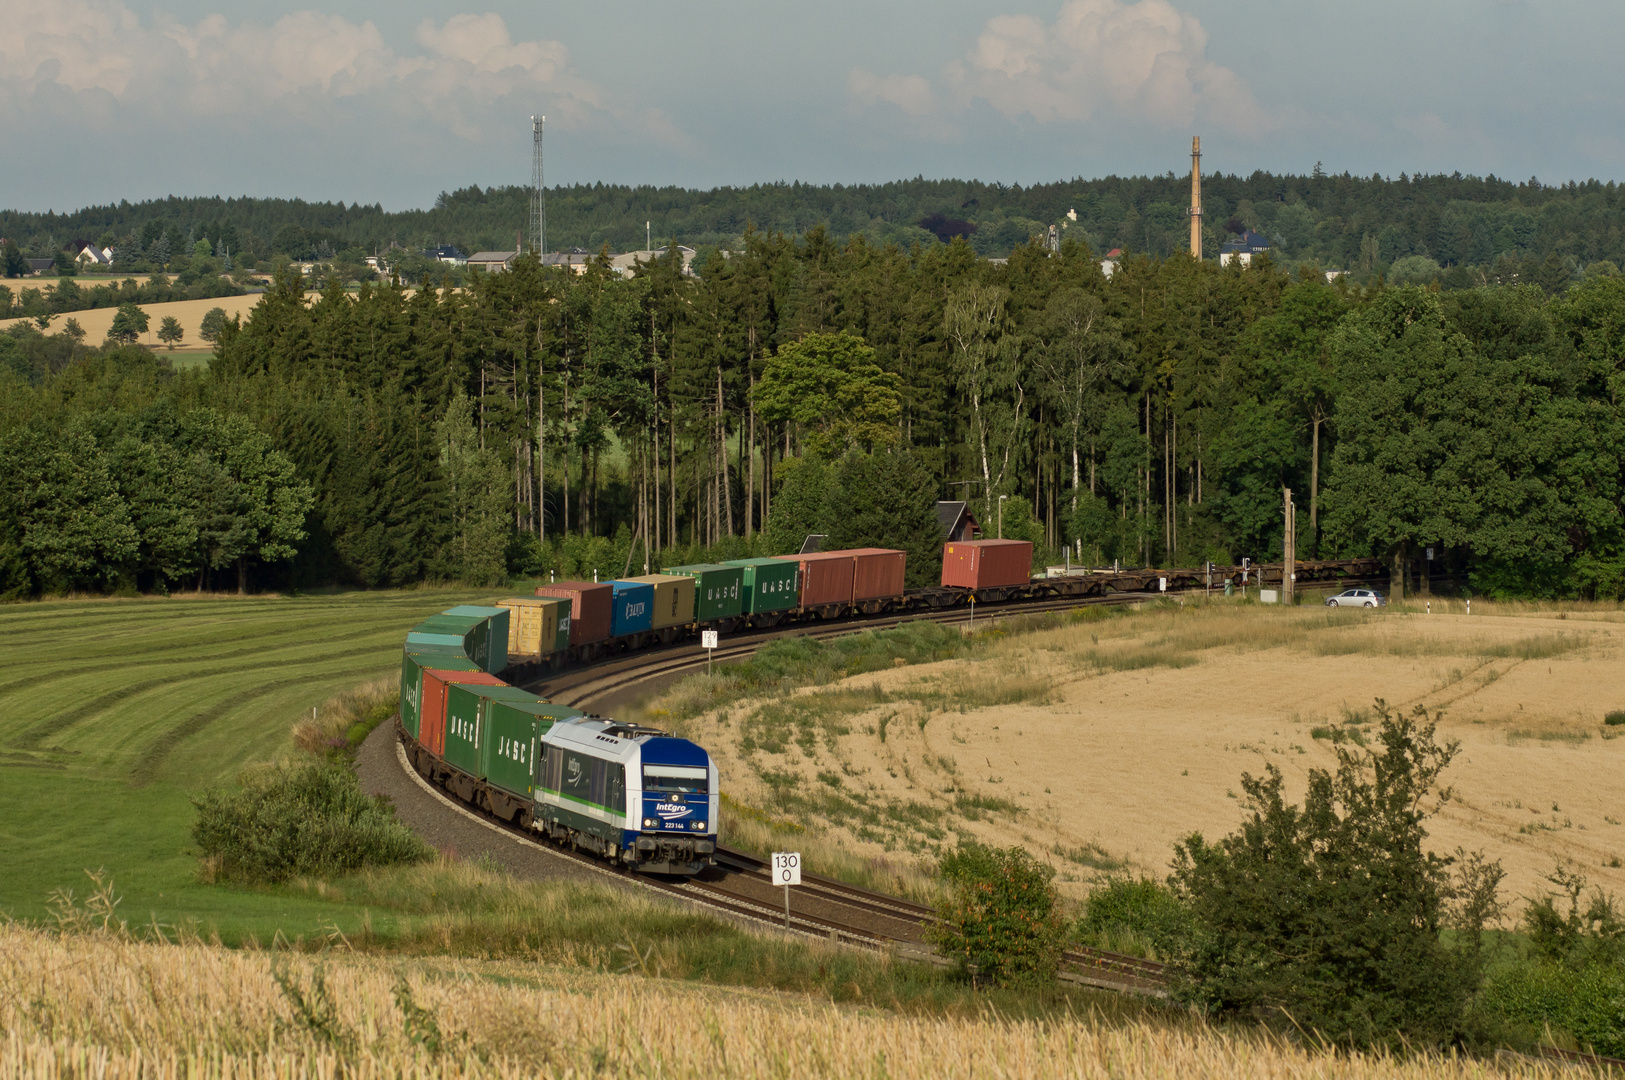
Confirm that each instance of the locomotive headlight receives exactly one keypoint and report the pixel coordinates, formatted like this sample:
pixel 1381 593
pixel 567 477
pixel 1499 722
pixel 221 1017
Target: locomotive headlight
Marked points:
pixel 698 826
pixel 650 823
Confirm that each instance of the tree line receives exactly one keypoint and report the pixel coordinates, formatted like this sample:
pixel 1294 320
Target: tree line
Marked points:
pixel 1463 231
pixel 537 421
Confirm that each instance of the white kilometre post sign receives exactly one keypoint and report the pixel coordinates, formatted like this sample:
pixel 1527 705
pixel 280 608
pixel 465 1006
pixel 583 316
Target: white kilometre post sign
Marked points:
pixel 708 642
pixel 787 872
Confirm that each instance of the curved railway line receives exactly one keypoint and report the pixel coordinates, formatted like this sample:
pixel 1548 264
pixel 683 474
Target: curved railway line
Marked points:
pixel 739 885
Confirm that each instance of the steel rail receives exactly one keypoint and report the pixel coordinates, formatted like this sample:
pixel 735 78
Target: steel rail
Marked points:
pixel 741 871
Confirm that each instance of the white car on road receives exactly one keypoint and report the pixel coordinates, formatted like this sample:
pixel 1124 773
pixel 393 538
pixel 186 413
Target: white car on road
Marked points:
pixel 1357 598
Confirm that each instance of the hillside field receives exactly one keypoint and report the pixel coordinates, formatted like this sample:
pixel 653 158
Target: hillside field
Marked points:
pixel 118 710
pixel 113 1009
pixel 1100 742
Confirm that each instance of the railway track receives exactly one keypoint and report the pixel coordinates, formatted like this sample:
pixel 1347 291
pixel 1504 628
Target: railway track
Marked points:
pixel 584 686
pixel 821 907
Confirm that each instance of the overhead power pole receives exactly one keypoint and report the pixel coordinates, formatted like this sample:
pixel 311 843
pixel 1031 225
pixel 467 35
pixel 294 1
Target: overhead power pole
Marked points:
pixel 538 194
pixel 1196 197
pixel 1289 549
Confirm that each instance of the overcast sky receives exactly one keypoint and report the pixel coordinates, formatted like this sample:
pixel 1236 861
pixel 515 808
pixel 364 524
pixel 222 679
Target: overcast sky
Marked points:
pixel 109 99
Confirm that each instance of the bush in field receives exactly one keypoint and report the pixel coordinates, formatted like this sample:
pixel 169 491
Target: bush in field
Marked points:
pixel 1577 981
pixel 1136 915
pixel 1001 917
pixel 1330 915
pixel 1588 1003
pixel 309 820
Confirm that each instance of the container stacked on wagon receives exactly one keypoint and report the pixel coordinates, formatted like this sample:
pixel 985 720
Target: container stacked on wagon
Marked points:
pixel 637 796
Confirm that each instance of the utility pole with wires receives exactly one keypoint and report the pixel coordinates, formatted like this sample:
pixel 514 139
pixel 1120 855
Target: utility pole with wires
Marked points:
pixel 538 193
pixel 1289 549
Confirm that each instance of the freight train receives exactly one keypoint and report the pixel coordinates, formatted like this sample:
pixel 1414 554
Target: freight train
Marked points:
pixel 642 797
pixel 581 621
pixel 637 796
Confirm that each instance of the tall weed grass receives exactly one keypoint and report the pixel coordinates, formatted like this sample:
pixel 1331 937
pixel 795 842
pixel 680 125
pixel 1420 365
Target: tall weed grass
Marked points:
pixel 1165 634
pixel 343 721
pixel 99 1006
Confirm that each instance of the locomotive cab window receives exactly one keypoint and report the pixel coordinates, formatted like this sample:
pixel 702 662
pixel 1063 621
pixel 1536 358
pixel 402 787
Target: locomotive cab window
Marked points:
pixel 687 779
pixel 577 776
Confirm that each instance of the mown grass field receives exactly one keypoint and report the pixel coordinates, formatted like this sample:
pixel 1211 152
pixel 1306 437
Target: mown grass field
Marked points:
pixel 116 711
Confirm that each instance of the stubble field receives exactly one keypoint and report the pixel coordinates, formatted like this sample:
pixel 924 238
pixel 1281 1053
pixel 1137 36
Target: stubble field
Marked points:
pixel 1100 743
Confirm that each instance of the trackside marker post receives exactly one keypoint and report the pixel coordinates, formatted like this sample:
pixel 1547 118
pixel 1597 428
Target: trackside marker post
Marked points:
pixel 708 642
pixel 787 872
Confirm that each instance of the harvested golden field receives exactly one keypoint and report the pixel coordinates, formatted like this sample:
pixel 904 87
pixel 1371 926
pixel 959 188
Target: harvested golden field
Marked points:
pixel 99 1005
pixel 1101 742
pixel 97 321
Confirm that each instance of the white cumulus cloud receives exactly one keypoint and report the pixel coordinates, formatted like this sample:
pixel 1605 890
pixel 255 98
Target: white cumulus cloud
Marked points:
pixel 94 60
pixel 1141 61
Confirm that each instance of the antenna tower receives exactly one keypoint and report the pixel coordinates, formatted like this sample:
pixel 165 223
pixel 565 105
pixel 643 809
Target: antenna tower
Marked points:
pixel 1196 197
pixel 538 194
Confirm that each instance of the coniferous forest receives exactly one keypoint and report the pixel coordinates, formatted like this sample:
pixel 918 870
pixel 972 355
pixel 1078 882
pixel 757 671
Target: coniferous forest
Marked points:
pixel 535 422
pixel 1462 231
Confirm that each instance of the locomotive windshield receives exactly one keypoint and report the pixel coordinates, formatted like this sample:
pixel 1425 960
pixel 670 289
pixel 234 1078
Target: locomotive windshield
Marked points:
pixel 688 779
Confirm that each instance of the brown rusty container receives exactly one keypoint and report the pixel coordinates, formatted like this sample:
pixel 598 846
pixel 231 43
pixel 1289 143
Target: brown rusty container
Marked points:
pixel 826 577
pixel 590 607
pixel 986 564
pixel 432 703
pixel 877 573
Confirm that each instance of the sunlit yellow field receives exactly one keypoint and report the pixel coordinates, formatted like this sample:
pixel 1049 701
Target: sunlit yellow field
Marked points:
pixel 98 1005
pixel 1100 743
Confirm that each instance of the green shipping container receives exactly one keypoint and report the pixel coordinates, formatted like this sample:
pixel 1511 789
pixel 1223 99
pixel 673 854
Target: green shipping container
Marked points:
pixel 497 621
pixel 718 590
pixel 465 721
pixel 513 733
pixel 413 661
pixel 469 633
pixel 562 643
pixel 768 584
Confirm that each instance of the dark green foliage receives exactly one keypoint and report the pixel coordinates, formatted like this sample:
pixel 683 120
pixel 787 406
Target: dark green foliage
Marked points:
pixel 1475 227
pixel 311 820
pixel 65 294
pixel 1588 1004
pixel 887 500
pixel 1149 418
pixel 1615 718
pixel 831 386
pixel 1575 984
pixel 128 324
pixel 1332 912
pixel 1590 932
pixel 801 506
pixel 1001 919
pixel 1137 915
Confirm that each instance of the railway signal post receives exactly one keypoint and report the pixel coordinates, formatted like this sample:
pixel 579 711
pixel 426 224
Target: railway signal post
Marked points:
pixel 787 872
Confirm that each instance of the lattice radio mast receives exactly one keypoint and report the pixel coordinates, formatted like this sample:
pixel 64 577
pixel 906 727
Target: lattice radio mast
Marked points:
pixel 538 193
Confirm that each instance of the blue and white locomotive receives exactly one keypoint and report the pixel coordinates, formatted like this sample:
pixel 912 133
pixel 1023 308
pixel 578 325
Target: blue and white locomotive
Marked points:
pixel 634 794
